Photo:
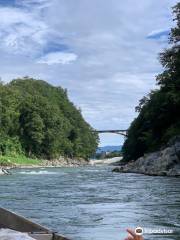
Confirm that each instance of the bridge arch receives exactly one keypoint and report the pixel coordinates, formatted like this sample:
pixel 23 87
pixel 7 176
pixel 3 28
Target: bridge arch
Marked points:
pixel 120 132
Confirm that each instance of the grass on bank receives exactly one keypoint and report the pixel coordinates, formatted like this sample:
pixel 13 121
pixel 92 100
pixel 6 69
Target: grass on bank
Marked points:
pixel 18 160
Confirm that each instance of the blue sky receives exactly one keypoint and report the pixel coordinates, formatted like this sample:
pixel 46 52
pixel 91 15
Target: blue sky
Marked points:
pixel 104 52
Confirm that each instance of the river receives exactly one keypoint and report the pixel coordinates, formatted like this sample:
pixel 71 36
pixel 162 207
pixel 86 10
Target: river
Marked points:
pixel 92 203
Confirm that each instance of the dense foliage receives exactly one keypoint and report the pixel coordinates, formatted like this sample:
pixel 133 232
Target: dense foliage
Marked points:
pixel 159 112
pixel 38 120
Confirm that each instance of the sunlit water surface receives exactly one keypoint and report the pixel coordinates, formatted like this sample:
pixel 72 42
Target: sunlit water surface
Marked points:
pixel 92 203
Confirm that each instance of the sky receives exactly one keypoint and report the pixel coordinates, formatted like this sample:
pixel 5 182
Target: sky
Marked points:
pixel 105 53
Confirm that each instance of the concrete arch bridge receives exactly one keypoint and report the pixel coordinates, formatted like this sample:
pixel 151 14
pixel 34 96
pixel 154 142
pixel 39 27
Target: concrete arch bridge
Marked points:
pixel 120 132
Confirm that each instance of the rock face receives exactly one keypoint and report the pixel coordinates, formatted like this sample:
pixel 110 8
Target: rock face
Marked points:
pixel 165 162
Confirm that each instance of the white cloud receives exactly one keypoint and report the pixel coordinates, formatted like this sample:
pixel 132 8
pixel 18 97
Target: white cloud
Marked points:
pixel 21 31
pixel 116 61
pixel 58 57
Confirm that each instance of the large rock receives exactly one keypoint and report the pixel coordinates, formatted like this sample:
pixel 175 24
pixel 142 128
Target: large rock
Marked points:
pixel 165 162
pixel 1 171
pixel 4 171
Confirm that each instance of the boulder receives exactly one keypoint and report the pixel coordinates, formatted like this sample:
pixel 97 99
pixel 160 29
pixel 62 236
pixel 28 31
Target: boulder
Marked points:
pixel 1 172
pixel 4 171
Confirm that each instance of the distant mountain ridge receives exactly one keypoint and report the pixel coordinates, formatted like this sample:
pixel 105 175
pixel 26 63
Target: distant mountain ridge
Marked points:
pixel 109 149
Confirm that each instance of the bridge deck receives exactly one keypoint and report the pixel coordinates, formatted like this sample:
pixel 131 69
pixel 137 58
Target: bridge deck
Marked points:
pixel 121 132
pixel 111 131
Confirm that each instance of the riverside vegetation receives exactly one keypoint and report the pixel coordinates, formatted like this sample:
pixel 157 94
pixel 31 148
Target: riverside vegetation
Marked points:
pixel 37 121
pixel 158 121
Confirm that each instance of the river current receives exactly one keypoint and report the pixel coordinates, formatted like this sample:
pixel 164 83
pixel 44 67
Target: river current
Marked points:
pixel 93 203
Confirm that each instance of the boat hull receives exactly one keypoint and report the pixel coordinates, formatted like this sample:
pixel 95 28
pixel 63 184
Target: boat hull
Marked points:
pixel 18 223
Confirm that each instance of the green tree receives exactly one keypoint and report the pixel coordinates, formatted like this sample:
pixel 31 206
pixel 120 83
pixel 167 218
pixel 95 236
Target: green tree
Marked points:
pixel 40 119
pixel 159 112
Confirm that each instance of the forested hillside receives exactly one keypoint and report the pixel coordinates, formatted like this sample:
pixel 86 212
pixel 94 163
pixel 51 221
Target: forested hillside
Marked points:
pixel 159 112
pixel 38 120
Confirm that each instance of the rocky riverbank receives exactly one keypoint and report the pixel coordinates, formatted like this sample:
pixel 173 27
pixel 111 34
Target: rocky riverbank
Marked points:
pixel 165 162
pixel 64 162
pixel 61 162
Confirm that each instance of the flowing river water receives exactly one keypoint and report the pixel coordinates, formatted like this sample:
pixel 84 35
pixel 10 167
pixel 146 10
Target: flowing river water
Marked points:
pixel 93 203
